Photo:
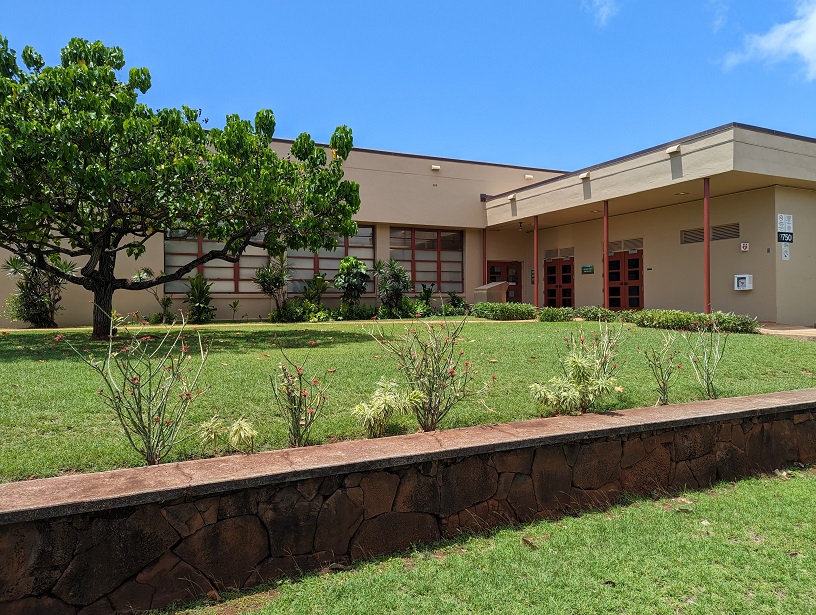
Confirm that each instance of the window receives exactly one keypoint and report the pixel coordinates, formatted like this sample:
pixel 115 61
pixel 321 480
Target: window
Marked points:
pixel 237 277
pixel 431 256
pixel 304 263
pixel 225 277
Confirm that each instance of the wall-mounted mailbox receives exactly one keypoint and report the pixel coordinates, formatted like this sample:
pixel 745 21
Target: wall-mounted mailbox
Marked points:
pixel 743 281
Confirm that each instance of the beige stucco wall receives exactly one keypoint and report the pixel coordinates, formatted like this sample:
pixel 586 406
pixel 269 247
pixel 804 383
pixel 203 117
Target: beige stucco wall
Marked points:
pixel 673 273
pixel 796 290
pixel 402 189
pixel 703 157
pixel 77 303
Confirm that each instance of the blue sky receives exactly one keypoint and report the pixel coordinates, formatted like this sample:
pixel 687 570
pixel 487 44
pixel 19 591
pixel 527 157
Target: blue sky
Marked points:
pixel 559 84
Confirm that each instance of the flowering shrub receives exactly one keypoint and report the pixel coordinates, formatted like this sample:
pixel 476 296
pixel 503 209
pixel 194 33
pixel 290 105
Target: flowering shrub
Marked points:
pixel 663 364
pixel 299 398
pixel 149 383
pixel 706 348
pixel 386 401
pixel 589 372
pixel 432 365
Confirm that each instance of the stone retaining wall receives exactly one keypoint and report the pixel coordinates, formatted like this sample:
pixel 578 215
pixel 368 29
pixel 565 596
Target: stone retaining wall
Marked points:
pixel 147 537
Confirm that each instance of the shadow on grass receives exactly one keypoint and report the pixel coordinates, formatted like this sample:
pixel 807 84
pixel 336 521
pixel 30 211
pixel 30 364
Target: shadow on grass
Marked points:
pixel 17 345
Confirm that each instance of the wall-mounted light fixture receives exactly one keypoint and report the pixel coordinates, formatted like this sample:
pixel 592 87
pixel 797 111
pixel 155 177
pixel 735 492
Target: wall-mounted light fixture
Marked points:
pixel 435 167
pixel 674 149
pixel 584 176
pixel 521 228
pixel 680 193
pixel 528 176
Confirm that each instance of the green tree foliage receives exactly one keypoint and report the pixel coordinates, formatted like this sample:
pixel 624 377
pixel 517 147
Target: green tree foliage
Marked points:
pixel 89 172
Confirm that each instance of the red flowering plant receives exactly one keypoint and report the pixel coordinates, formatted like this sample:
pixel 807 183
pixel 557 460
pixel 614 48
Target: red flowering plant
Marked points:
pixel 433 366
pixel 299 397
pixel 149 383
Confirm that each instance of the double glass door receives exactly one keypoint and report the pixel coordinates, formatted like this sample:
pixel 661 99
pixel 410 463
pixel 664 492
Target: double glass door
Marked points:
pixel 626 280
pixel 559 282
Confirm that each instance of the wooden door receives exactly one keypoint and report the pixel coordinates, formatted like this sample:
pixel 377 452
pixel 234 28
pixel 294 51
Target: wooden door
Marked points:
pixel 506 271
pixel 626 280
pixel 559 282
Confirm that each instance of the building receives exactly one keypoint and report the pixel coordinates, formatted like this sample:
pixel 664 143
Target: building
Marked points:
pixel 708 220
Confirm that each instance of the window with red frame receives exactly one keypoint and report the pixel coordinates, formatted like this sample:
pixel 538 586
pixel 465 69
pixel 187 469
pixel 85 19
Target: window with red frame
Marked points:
pixel 432 256
pixel 304 264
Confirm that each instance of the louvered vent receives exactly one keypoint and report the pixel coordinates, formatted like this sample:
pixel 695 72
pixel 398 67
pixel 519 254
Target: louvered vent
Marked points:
pixel 550 254
pixel 633 244
pixel 723 231
pixel 566 252
pixel 615 246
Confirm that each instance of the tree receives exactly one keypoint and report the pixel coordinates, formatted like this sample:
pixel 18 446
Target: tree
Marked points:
pixel 89 172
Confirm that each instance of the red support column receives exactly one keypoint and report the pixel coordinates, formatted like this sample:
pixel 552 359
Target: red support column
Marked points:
pixel 536 268
pixel 707 244
pixel 606 254
pixel 484 256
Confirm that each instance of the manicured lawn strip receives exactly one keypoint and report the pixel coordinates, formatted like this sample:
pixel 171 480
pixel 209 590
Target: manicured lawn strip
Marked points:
pixel 748 547
pixel 51 421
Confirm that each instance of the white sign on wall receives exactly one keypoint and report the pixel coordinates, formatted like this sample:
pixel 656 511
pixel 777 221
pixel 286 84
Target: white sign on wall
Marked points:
pixel 784 224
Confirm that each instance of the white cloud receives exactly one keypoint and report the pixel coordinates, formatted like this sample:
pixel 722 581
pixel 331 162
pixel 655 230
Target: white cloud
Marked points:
pixel 719 8
pixel 793 39
pixel 602 10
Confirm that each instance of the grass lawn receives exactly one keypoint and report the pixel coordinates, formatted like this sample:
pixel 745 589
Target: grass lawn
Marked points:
pixel 52 422
pixel 748 547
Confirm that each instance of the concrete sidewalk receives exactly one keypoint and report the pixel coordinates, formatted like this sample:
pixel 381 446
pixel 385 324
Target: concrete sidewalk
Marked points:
pixel 796 332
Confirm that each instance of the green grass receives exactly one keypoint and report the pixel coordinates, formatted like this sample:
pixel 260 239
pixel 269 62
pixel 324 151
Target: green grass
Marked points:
pixel 52 422
pixel 748 547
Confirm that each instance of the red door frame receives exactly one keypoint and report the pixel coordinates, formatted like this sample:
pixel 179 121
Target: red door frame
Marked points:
pixel 559 282
pixel 501 274
pixel 625 280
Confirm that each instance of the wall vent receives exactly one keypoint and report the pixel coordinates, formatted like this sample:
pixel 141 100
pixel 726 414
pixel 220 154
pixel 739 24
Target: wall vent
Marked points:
pixel 722 231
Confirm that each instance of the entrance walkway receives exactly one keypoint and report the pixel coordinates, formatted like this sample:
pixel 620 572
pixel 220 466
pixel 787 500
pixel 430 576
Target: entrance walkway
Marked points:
pixel 796 332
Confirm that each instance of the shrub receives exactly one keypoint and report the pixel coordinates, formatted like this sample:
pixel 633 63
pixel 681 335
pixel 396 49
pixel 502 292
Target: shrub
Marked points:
pixel 239 437
pixel 504 311
pixel 662 366
pixel 299 399
pixel 165 316
pixel 589 372
pixel 596 313
pixel 351 279
pixel 359 311
pixel 392 284
pixel 386 401
pixel 691 321
pixel 432 365
pixel 273 279
pixel 314 288
pixel 149 386
pixel 199 297
pixel 706 348
pixel 553 314
pixel 38 292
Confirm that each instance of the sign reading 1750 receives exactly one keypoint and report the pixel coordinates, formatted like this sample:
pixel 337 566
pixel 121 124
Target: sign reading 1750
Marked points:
pixel 784 237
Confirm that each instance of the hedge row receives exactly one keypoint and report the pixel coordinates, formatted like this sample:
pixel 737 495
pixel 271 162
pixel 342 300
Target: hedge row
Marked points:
pixel 653 319
pixel 656 319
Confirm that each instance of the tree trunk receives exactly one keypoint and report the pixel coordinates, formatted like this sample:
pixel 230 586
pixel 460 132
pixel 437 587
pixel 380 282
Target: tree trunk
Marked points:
pixel 103 308
pixel 103 297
